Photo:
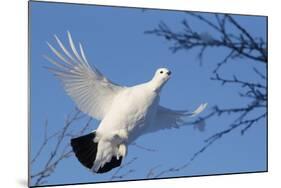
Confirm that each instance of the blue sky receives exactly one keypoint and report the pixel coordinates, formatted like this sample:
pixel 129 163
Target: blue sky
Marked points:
pixel 114 41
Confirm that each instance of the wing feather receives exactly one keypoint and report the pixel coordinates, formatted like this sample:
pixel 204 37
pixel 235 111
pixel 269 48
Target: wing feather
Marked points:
pixel 92 92
pixel 168 118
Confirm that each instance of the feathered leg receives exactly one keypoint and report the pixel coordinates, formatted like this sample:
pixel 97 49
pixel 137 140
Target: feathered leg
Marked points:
pixel 86 149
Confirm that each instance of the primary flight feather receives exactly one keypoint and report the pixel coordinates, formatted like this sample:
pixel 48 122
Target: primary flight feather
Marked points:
pixel 125 112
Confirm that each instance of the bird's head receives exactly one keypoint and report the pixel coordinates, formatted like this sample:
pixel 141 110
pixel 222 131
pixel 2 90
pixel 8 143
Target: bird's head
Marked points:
pixel 161 76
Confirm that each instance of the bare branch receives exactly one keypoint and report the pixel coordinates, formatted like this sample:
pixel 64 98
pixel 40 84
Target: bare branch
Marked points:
pixel 143 148
pixel 117 174
pixel 60 151
pixel 240 44
pixel 151 173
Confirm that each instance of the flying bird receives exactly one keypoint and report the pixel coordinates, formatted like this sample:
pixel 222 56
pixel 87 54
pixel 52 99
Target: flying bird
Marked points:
pixel 125 113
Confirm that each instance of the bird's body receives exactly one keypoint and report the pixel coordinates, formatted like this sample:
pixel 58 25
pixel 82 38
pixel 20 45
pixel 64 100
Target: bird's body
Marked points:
pixel 125 113
pixel 132 109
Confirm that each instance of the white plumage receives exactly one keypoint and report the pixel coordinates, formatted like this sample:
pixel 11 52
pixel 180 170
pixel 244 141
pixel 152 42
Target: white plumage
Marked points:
pixel 125 112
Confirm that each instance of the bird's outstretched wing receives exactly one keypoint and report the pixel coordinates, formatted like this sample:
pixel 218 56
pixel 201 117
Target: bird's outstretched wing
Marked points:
pixel 92 92
pixel 167 118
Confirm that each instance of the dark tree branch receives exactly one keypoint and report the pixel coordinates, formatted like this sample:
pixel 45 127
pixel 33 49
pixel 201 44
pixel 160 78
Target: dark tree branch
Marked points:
pixel 205 20
pixel 259 73
pixel 45 142
pixel 143 147
pixel 151 173
pixel 118 175
pixel 240 44
pixel 224 61
pixel 208 142
pixel 60 151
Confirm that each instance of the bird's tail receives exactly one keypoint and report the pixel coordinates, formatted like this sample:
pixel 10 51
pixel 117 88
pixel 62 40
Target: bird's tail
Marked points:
pixel 85 150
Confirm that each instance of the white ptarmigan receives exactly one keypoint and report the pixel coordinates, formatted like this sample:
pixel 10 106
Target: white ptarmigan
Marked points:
pixel 125 112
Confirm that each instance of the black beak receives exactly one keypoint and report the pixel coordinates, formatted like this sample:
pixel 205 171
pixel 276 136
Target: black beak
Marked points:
pixel 169 73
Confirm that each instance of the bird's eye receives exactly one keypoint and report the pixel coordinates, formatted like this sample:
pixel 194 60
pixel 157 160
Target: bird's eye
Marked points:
pixel 161 72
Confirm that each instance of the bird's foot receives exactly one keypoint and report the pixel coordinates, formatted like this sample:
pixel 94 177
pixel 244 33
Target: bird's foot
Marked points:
pixel 122 151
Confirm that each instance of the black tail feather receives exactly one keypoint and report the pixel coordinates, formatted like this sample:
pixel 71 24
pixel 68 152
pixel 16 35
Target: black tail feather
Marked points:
pixel 85 150
pixel 112 164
